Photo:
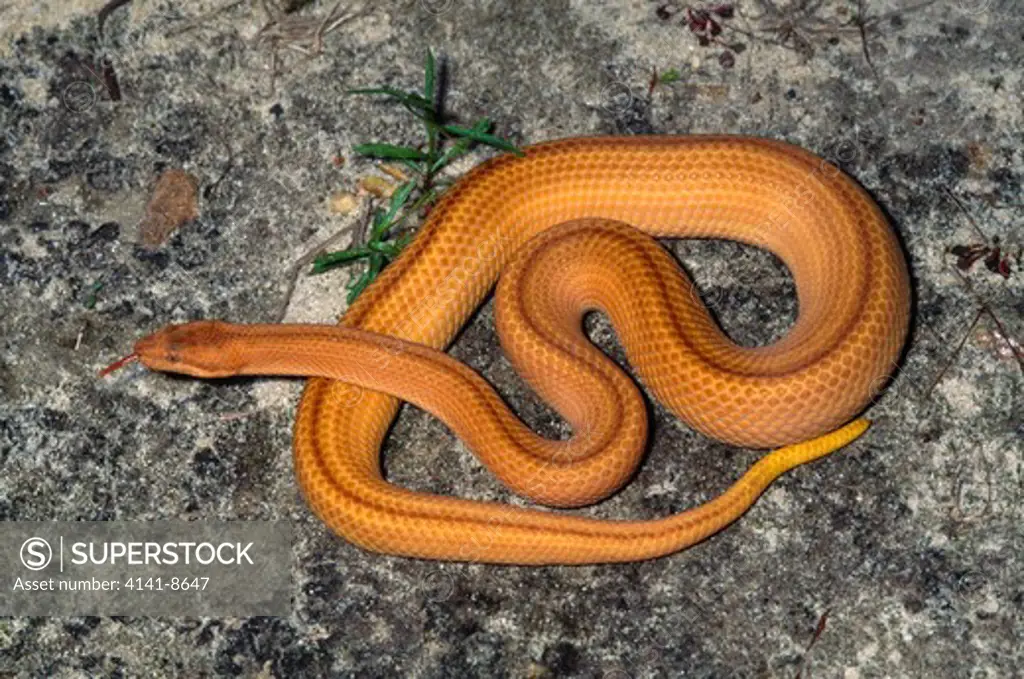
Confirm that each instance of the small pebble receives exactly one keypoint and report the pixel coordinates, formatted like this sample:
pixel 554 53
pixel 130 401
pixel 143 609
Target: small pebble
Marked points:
pixel 343 203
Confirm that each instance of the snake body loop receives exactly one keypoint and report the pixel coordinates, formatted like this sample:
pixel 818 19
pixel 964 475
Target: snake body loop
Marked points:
pixel 851 282
pixel 555 223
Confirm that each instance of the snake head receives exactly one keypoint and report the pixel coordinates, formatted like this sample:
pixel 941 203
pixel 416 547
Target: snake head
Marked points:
pixel 199 349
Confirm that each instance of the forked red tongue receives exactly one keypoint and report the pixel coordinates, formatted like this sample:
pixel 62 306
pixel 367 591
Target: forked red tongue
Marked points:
pixel 118 364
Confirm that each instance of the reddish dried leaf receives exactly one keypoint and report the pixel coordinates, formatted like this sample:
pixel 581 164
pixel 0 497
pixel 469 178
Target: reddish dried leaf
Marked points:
pixel 110 79
pixel 1004 267
pixel 174 202
pixel 697 20
pixel 820 628
pixel 965 263
pixel 822 621
pixel 967 255
pixel 992 261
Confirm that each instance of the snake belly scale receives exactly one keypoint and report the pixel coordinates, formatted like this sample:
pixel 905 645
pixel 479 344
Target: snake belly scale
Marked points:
pixel 554 225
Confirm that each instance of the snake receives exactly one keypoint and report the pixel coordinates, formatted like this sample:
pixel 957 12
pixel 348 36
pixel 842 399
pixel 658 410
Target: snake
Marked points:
pixel 568 228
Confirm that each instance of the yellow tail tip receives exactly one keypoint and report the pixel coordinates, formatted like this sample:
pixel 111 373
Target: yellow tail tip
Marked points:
pixel 806 451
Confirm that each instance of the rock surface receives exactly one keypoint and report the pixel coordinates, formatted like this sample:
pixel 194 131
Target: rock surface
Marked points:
pixel 910 541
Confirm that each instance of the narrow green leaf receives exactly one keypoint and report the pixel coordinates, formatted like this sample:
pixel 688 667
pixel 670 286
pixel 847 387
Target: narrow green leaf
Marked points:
pixel 418 169
pixel 483 138
pixel 384 221
pixel 378 223
pixel 423 199
pixel 433 135
pixel 384 248
pixel 429 76
pixel 427 115
pixel 457 149
pixel 389 151
pixel 392 252
pixel 368 276
pixel 376 264
pixel 356 287
pixel 398 200
pixel 398 245
pixel 329 260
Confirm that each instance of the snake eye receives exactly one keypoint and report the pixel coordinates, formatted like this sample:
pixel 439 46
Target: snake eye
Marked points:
pixel 173 354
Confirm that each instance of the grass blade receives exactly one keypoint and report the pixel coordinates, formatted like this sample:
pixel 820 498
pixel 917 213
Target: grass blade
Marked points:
pixel 330 260
pixel 368 276
pixel 429 76
pixel 483 138
pixel 389 151
pixel 418 169
pixel 357 287
pixel 398 200
pixel 457 149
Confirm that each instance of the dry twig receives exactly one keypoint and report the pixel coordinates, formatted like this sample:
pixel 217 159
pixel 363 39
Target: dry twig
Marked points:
pixel 306 259
pixel 797 24
pixel 302 34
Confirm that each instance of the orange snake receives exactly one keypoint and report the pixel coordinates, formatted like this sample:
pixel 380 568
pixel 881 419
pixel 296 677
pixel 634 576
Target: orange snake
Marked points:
pixel 554 224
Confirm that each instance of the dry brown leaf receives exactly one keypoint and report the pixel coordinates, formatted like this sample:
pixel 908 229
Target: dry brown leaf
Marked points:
pixel 174 202
pixel 394 172
pixel 378 186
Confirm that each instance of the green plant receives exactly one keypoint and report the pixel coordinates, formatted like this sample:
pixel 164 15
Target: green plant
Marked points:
pixel 93 296
pixel 444 143
pixel 670 76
